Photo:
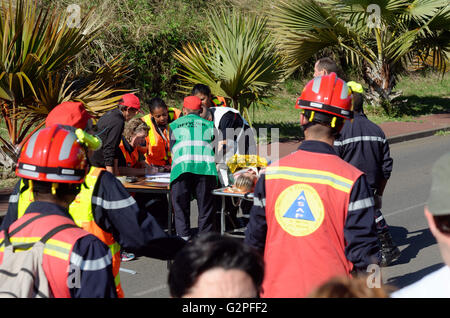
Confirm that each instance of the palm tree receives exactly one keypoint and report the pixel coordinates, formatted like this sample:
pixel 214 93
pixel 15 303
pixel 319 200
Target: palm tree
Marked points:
pixel 381 37
pixel 239 61
pixel 37 47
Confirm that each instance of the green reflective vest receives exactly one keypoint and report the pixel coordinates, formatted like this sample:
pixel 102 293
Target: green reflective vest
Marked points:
pixel 193 150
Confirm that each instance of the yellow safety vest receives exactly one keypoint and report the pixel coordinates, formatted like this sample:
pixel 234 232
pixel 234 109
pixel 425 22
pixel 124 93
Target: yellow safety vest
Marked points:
pixel 81 211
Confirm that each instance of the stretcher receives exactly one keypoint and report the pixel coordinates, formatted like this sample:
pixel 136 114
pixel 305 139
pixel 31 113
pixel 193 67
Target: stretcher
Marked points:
pixel 229 192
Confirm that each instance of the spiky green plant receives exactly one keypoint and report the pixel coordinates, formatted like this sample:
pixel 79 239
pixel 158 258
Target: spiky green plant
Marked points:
pixel 382 37
pixel 238 62
pixel 37 46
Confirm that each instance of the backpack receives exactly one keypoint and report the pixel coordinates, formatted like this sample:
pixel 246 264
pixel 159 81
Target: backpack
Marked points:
pixel 21 273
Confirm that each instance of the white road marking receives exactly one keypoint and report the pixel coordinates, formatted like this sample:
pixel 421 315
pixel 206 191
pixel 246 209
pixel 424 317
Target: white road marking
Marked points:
pixel 405 209
pixel 151 290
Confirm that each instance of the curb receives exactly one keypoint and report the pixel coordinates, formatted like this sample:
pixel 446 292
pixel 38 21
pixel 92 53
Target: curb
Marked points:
pixel 416 135
pixel 391 140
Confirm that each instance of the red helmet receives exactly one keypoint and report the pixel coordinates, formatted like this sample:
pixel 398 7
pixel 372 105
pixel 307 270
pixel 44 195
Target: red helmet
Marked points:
pixel 53 154
pixel 70 114
pixel 327 94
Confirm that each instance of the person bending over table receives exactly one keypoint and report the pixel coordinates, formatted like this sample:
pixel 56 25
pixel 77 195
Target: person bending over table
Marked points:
pixel 157 151
pixel 131 163
pixel 129 160
pixel 110 128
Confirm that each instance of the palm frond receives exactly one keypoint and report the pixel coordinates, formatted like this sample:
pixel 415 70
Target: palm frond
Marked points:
pixel 240 62
pixel 37 46
pixel 405 31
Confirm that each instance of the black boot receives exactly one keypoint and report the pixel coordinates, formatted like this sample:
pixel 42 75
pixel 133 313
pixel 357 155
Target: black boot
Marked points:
pixel 389 251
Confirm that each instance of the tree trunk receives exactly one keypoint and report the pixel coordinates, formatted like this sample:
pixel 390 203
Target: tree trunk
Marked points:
pixel 381 84
pixel 7 164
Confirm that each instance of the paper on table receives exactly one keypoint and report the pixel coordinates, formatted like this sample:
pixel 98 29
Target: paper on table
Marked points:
pixel 159 180
pixel 161 177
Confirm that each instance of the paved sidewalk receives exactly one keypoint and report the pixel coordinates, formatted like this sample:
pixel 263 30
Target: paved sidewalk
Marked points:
pixel 4 197
pixel 422 126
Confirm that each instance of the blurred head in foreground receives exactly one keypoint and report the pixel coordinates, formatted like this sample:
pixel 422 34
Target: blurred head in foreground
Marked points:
pixel 215 266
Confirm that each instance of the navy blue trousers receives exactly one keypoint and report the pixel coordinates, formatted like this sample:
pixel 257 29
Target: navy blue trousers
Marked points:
pixel 183 189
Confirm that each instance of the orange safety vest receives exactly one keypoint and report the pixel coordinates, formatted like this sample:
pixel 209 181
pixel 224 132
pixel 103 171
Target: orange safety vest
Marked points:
pixel 219 101
pixel 174 114
pixel 158 146
pixel 57 251
pixel 132 158
pixel 306 209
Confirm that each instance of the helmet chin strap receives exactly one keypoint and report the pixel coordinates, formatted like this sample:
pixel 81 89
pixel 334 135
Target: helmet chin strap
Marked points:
pixel 307 125
pixel 319 118
pixel 54 187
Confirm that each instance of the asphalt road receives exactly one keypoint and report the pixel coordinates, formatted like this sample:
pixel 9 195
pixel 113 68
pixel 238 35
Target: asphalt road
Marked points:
pixel 403 205
pixel 403 202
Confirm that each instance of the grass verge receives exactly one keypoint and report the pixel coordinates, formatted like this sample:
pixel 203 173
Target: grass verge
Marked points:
pixel 423 94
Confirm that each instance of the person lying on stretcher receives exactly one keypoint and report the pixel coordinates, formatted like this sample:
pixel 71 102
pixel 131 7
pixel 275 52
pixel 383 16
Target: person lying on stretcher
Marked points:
pixel 246 170
pixel 245 180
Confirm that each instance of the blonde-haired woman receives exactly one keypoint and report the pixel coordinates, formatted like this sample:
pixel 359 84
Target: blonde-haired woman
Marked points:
pixel 130 162
pixel 133 163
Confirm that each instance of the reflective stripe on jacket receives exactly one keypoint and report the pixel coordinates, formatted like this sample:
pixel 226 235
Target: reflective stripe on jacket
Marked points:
pixel 192 151
pixel 57 251
pixel 363 144
pixel 306 204
pixel 25 197
pixel 81 211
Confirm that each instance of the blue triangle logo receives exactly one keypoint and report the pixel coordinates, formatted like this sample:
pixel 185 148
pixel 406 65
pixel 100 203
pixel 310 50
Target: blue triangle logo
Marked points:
pixel 300 210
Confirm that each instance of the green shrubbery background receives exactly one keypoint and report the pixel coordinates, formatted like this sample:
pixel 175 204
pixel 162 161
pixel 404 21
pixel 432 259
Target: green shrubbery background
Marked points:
pixel 147 32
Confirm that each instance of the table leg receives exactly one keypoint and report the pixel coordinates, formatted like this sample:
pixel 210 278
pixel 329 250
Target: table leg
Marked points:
pixel 222 217
pixel 170 214
pixel 169 223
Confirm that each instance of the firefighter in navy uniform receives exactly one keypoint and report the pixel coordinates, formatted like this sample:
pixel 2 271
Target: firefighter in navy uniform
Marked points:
pixel 54 163
pixel 364 145
pixel 313 213
pixel 104 208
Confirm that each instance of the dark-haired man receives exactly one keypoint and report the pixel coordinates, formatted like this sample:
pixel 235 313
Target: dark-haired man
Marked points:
pixel 110 128
pixel 203 92
pixel 216 266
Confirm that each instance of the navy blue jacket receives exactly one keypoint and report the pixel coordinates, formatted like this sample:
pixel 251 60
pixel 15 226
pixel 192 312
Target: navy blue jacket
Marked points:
pixel 363 144
pixel 362 247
